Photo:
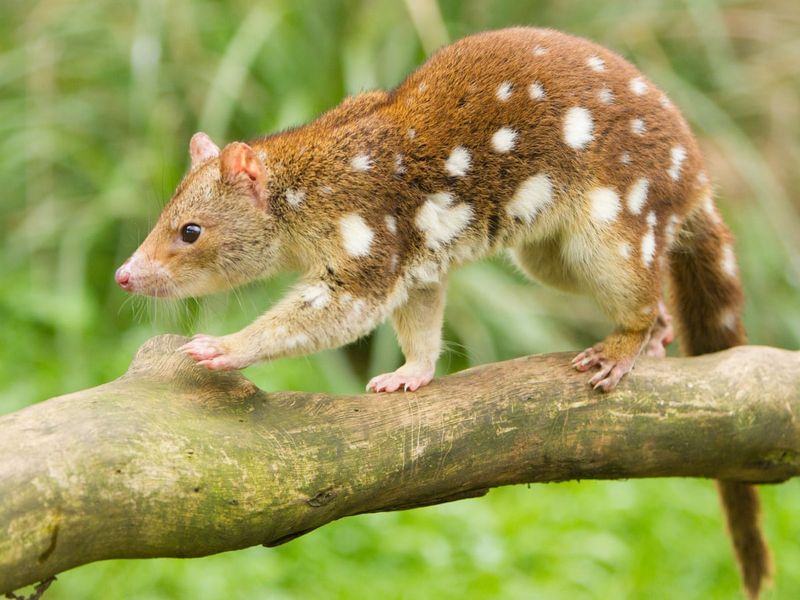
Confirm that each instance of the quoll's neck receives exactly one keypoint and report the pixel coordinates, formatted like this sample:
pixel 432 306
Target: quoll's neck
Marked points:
pixel 318 157
pixel 324 169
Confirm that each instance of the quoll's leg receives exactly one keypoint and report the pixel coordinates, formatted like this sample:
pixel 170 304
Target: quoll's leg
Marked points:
pixel 317 314
pixel 615 355
pixel 418 325
pixel 661 335
pixel 625 284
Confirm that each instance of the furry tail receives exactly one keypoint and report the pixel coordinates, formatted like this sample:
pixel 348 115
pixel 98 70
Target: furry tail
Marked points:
pixel 742 509
pixel 707 297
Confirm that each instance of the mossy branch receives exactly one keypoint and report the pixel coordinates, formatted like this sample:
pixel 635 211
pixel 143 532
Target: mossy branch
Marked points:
pixel 173 460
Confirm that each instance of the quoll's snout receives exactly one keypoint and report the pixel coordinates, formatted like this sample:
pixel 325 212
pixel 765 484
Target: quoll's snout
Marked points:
pixel 123 277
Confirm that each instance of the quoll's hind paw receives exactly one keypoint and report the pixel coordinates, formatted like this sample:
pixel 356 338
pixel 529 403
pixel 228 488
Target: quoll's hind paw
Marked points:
pixel 407 378
pixel 657 344
pixel 661 335
pixel 211 352
pixel 610 370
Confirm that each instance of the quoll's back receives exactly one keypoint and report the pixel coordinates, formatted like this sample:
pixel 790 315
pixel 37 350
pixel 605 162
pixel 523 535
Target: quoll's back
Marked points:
pixel 495 109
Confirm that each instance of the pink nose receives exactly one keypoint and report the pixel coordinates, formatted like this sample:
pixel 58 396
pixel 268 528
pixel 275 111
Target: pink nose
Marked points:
pixel 123 277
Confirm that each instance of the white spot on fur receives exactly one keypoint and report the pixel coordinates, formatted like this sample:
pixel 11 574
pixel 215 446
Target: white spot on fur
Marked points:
pixel 393 263
pixel 262 155
pixel 399 293
pixel 356 308
pixel 595 63
pixel 578 127
pixel 539 51
pixel 606 96
pixel 625 158
pixel 638 127
pixel 532 196
pixel 727 318
pixel 361 162
pixel 637 86
pixel 399 167
pixel 605 204
pixel 624 250
pixel 504 140
pixel 411 133
pixel 425 272
pixel 637 195
pixel 711 209
pixel 646 310
pixel 440 221
pixel 728 261
pixel 459 162
pixel 422 86
pixel 467 252
pixel 665 101
pixel 295 197
pixel 702 178
pixel 670 230
pixel 504 91
pixel 649 240
pixel 677 156
pixel 648 247
pixel 536 91
pixel 297 340
pixel 391 223
pixel 356 235
pixel 317 295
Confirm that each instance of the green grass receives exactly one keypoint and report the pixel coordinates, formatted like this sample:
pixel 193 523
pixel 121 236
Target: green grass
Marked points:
pixel 97 103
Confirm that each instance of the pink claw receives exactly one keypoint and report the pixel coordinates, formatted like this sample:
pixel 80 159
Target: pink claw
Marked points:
pixel 209 351
pixel 408 377
pixel 610 370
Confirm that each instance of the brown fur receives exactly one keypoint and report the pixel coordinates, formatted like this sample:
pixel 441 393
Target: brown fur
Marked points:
pixel 370 205
pixel 742 510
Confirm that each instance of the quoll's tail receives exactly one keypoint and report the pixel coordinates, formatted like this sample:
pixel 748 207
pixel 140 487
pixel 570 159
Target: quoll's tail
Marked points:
pixel 707 297
pixel 742 509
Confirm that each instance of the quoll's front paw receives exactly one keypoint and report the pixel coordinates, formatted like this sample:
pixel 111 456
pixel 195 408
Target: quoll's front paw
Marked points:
pixel 409 378
pixel 214 353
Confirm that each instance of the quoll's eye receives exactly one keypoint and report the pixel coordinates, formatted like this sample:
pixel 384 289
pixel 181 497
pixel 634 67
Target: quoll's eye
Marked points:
pixel 190 232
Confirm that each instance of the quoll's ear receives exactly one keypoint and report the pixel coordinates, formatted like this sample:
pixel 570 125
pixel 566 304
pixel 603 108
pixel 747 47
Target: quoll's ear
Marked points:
pixel 201 148
pixel 239 162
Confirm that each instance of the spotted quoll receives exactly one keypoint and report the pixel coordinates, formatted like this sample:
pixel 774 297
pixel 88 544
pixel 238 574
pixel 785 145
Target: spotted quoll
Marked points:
pixel 523 139
pixel 529 140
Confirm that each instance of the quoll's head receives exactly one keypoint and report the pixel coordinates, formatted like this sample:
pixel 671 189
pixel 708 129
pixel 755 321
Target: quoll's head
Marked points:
pixel 216 232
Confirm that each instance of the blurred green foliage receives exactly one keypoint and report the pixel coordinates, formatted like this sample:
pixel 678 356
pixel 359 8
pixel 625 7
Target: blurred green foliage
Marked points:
pixel 97 103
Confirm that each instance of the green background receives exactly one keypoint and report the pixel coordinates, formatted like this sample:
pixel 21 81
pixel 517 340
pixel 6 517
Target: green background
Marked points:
pixel 97 103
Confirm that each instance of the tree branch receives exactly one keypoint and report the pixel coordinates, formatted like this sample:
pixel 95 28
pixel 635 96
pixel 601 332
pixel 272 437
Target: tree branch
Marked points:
pixel 174 460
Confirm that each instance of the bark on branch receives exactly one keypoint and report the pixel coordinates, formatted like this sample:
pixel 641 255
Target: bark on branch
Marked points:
pixel 173 460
